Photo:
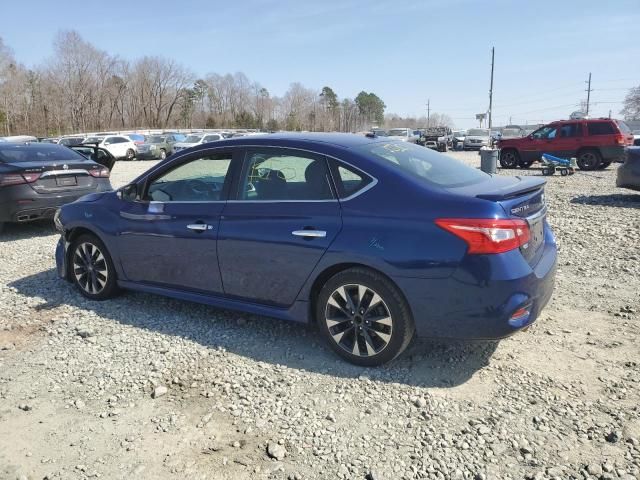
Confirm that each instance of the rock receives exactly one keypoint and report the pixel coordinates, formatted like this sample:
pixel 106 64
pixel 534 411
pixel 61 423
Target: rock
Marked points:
pixel 275 450
pixel 79 404
pixel 159 391
pixel 612 437
pixel 594 469
pixel 25 407
pixel 84 332
pixel 420 402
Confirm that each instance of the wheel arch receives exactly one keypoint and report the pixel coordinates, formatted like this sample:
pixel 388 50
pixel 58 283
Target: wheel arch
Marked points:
pixel 71 235
pixel 332 270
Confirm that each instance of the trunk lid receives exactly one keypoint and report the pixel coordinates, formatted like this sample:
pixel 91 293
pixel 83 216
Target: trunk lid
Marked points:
pixel 57 177
pixel 519 197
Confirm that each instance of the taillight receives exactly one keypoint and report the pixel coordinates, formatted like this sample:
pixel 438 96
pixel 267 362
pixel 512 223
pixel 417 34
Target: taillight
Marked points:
pixel 619 139
pixel 488 235
pixel 99 172
pixel 17 178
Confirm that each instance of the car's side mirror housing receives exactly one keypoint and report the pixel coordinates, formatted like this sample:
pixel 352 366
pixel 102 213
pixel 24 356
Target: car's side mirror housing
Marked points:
pixel 128 192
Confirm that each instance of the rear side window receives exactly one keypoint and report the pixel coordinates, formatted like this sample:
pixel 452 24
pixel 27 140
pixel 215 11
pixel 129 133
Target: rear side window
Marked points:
pixel 571 130
pixel 349 181
pixel 600 128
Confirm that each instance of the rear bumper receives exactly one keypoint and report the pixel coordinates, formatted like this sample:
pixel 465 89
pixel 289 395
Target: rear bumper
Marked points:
pixel 20 203
pixel 479 299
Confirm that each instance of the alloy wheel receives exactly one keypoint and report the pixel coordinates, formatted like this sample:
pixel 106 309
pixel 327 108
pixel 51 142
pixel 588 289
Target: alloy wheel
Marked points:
pixel 358 320
pixel 90 268
pixel 509 159
pixel 588 161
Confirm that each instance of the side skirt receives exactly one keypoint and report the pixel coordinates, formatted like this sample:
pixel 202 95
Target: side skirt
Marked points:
pixel 298 312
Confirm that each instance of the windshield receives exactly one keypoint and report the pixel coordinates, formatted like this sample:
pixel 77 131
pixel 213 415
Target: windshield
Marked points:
pixel 425 164
pixel 37 152
pixel 193 139
pixel 93 140
pixel 511 132
pixel 478 132
pixel 398 132
pixel 156 139
pixel 459 134
pixel 211 138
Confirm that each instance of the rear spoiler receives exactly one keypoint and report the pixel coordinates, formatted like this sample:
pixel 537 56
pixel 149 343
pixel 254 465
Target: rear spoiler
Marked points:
pixel 526 185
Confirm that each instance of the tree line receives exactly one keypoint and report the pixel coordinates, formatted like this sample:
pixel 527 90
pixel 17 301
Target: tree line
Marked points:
pixel 85 89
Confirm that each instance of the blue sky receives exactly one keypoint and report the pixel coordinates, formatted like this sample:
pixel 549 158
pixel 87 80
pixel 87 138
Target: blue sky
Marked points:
pixel 406 52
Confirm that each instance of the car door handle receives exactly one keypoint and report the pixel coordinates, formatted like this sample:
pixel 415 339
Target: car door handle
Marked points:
pixel 309 233
pixel 199 227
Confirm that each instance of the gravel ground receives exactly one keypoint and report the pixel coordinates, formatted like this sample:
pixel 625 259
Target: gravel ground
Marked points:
pixel 148 387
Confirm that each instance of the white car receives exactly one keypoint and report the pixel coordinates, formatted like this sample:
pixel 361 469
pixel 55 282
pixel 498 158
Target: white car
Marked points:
pixel 197 139
pixel 117 145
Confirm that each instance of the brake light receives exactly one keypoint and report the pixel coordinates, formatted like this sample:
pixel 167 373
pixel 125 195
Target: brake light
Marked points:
pixel 619 139
pixel 17 178
pixel 485 236
pixel 100 172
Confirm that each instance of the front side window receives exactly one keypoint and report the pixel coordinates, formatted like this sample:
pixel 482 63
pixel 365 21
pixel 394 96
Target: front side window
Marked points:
pixel 199 180
pixel 547 132
pixel 270 175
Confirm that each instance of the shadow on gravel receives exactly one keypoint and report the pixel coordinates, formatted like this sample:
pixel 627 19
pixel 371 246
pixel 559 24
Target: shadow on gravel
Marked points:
pixel 424 363
pixel 613 200
pixel 21 231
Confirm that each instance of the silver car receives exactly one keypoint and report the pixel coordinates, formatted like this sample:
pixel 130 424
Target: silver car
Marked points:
pixel 403 134
pixel 477 138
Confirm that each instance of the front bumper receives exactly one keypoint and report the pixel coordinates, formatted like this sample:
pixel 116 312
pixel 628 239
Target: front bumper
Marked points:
pixel 478 301
pixel 151 155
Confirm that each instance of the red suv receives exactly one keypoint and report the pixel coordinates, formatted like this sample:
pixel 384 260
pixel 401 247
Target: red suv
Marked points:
pixel 594 142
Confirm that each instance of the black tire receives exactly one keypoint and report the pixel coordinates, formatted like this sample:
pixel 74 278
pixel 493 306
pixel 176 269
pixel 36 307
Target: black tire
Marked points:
pixel 604 164
pixel 130 155
pixel 589 159
pixel 546 171
pixel 564 172
pixel 509 158
pixel 375 342
pixel 522 164
pixel 99 281
pixel 163 154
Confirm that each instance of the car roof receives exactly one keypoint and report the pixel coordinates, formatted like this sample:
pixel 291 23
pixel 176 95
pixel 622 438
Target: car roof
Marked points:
pixel 342 140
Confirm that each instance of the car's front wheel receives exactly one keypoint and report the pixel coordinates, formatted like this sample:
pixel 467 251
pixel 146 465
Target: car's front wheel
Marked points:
pixel 130 154
pixel 163 154
pixel 364 317
pixel 92 269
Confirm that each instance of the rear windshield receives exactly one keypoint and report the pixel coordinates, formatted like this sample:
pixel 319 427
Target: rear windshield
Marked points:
pixel 624 128
pixel 425 164
pixel 37 152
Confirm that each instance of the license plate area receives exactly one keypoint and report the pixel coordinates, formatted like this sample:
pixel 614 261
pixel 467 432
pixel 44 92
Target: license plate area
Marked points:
pixel 66 181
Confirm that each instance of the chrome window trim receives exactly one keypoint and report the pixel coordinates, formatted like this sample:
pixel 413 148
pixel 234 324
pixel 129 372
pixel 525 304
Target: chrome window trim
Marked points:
pixel 373 183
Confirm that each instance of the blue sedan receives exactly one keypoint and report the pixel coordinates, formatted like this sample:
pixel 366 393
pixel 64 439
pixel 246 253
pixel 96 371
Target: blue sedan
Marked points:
pixel 373 240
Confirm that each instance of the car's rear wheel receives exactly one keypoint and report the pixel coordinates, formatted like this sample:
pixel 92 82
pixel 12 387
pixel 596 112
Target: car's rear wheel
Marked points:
pixel 92 269
pixel 589 160
pixel 163 154
pixel 509 158
pixel 130 154
pixel 364 317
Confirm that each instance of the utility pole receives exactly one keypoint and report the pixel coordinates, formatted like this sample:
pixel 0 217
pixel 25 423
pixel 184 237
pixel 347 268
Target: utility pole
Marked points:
pixel 428 111
pixel 588 94
pixel 491 86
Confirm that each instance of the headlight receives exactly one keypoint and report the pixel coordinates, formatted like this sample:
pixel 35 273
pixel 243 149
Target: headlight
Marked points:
pixel 57 222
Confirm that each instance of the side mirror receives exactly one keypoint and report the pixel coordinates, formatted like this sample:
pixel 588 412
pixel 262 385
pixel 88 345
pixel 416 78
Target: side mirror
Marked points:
pixel 128 192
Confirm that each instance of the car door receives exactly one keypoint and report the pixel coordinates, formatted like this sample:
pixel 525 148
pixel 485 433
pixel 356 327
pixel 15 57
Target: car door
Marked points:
pixel 568 140
pixel 539 142
pixel 284 217
pixel 169 237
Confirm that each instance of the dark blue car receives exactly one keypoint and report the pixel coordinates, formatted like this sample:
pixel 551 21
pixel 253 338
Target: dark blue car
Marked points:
pixel 372 239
